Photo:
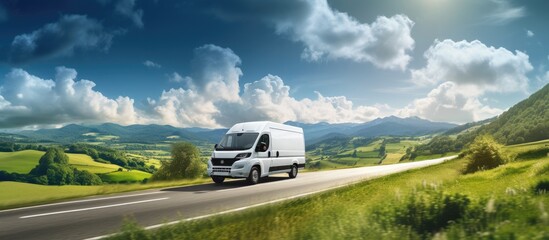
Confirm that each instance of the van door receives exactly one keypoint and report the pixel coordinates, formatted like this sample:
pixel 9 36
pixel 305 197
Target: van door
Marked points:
pixel 264 155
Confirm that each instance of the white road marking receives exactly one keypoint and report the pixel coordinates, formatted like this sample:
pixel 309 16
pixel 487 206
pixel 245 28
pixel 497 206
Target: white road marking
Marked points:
pixel 92 208
pixel 79 201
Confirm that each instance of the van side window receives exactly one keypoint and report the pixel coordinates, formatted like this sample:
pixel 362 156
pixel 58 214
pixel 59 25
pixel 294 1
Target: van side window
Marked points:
pixel 263 139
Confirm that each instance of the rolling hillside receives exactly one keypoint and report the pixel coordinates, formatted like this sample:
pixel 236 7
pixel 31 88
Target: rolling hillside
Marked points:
pixel 527 121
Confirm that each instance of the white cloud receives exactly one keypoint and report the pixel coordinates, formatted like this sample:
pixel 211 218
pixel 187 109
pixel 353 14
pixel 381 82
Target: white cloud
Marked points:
pixel 29 100
pixel 475 66
pixel 529 33
pixel 213 99
pixel 504 13
pixel 151 64
pixel 127 8
pixel 449 103
pixel 328 33
pixel 464 72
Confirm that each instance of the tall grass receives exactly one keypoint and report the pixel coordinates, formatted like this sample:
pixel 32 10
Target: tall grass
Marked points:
pixel 434 202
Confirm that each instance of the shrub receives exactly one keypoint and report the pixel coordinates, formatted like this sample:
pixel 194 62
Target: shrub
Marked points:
pixel 533 154
pixel 484 153
pixel 185 163
pixel 542 187
pixel 87 178
pixel 425 212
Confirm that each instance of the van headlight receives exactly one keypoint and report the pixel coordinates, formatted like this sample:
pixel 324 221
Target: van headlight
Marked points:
pixel 243 155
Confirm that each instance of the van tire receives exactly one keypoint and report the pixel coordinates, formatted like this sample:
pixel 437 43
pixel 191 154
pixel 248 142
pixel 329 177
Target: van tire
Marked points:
pixel 293 171
pixel 218 179
pixel 254 176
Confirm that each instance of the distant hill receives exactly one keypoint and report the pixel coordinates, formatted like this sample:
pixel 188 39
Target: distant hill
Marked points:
pixel 469 126
pixel 114 132
pixel 527 121
pixel 110 132
pixel 388 126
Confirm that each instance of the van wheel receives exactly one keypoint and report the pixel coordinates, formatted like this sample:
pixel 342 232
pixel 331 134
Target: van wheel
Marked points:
pixel 293 172
pixel 253 178
pixel 218 179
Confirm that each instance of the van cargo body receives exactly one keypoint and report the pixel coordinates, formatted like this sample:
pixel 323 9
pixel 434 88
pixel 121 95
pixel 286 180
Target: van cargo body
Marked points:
pixel 257 149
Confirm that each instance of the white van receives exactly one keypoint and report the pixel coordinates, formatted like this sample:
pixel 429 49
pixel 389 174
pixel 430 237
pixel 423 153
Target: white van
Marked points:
pixel 256 149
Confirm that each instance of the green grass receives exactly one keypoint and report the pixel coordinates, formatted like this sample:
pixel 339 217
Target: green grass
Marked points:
pixel 19 162
pixel 16 194
pixel 85 162
pixel 497 204
pixel 26 160
pixel 125 176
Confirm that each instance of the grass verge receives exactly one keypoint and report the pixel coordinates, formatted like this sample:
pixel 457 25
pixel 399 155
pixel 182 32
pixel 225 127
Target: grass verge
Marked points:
pixel 434 202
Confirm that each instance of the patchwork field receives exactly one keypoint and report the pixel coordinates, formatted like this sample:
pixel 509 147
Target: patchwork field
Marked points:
pixel 19 162
pixel 344 155
pixel 24 161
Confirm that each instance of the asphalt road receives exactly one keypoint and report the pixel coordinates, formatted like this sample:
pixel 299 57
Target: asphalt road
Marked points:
pixel 98 216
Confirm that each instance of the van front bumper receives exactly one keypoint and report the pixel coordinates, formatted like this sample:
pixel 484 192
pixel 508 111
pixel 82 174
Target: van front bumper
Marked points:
pixel 224 171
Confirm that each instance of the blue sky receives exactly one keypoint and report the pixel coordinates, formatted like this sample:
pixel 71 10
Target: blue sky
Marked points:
pixel 214 63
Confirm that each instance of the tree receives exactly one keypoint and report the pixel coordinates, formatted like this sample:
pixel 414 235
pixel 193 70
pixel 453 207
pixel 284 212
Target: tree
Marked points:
pixel 59 174
pixel 185 163
pixel 53 169
pixel 484 153
pixel 87 178
pixel 53 155
pixel 354 154
pixel 382 150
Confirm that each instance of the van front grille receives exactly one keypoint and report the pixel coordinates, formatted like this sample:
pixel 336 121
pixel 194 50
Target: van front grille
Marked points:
pixel 221 170
pixel 223 161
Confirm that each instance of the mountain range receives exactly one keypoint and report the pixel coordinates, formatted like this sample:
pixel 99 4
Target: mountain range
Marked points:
pixel 388 126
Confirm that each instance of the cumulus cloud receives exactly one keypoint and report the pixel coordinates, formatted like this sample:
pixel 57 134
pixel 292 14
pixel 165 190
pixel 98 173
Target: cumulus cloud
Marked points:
pixel 127 8
pixel 464 72
pixel 27 100
pixel 474 64
pixel 213 98
pixel 328 33
pixel 529 33
pixel 70 33
pixel 449 103
pixel 504 13
pixel 151 64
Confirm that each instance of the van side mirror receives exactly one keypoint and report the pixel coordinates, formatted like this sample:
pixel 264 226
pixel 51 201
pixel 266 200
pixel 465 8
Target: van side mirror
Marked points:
pixel 215 146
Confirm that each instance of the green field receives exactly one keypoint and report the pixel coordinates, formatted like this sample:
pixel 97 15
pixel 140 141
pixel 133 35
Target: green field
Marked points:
pixel 19 162
pixel 24 161
pixel 366 155
pixel 494 204
pixel 125 176
pixel 85 162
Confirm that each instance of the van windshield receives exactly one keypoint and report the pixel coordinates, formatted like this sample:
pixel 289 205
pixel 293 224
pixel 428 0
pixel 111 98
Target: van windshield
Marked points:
pixel 237 141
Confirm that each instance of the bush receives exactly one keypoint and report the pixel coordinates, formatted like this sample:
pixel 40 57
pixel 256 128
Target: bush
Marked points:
pixel 87 178
pixel 425 212
pixel 185 163
pixel 484 153
pixel 534 153
pixel 542 187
